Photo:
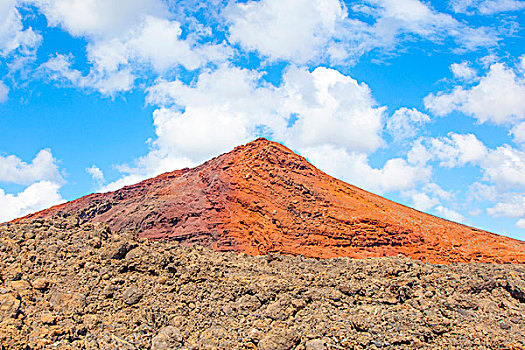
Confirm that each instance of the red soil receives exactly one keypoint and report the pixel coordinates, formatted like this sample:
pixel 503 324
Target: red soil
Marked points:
pixel 262 197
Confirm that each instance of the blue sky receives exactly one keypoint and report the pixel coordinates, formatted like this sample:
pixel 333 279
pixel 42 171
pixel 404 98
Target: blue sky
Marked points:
pixel 421 102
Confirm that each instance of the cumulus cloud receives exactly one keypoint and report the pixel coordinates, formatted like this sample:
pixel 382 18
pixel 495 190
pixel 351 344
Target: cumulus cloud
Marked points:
pixel 497 98
pixel 309 30
pixel 521 223
pixel 450 214
pixel 457 149
pixel 502 166
pixel 463 71
pixel 13 37
pixel 486 7
pixel 155 42
pixel 59 68
pixel 427 196
pixel 309 109
pixel 511 207
pixel 405 123
pixel 124 42
pixel 4 91
pixel 42 178
pixel 296 30
pixel 505 167
pixel 501 181
pixel 99 18
pixel 330 109
pixel 412 18
pixel 395 175
pixel 518 132
pixel 37 196
pixel 422 201
pixel 96 174
pixel 42 167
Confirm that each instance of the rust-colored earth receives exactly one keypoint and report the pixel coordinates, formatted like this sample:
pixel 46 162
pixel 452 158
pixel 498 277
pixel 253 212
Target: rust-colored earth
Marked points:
pixel 262 197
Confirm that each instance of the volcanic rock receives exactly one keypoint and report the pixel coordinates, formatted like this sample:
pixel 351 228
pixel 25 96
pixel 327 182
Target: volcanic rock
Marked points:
pixel 197 298
pixel 262 198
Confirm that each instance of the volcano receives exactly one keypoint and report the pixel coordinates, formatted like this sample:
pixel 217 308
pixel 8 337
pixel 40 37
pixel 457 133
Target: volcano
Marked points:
pixel 262 197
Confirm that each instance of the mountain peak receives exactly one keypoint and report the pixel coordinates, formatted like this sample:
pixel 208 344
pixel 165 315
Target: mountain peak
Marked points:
pixel 262 197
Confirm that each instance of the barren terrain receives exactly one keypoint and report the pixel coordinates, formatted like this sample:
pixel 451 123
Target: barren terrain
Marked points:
pixel 65 285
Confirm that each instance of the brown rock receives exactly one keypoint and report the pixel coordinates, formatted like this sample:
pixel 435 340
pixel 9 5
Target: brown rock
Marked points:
pixel 9 306
pixel 315 344
pixel 41 284
pixel 168 338
pixel 278 339
pixel 68 303
pixel 48 319
pixel 132 295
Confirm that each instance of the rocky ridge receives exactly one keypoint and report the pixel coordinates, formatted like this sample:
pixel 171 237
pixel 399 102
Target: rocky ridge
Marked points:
pixel 262 198
pixel 71 285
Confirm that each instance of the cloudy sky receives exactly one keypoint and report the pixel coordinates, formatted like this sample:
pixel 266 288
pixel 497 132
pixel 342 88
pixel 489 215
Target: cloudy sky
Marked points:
pixel 420 101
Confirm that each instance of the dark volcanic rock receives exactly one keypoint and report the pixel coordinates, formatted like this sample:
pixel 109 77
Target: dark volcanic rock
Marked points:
pixel 163 295
pixel 262 198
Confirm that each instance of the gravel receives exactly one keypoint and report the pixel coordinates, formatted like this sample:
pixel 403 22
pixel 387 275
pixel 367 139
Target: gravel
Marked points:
pixel 70 286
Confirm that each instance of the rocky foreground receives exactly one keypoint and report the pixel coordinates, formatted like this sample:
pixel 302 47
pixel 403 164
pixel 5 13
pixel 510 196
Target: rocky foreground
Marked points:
pixel 70 286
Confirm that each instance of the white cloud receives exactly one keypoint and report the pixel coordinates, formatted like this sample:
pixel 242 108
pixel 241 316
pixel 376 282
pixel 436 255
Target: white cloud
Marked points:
pixel 457 149
pixel 285 29
pixel 13 36
pixel 422 201
pixel 331 109
pixel 522 63
pixel 513 206
pixel 518 132
pixel 155 42
pixel 96 174
pixel 99 18
pixel 43 167
pixel 59 68
pixel 327 106
pixel 450 214
pixel 400 18
pixel 486 7
pixel 481 191
pixel 505 167
pixel 4 91
pixel 427 196
pixel 497 98
pixel 405 123
pixel 521 223
pixel 463 71
pixel 309 30
pixel 124 42
pixel 395 175
pixel 37 196
pixel 221 110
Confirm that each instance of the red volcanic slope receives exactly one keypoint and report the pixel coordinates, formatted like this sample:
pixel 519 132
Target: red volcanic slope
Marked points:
pixel 262 197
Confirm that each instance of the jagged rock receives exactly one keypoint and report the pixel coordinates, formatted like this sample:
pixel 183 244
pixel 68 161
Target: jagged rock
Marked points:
pixel 132 295
pixel 315 344
pixel 168 338
pixel 118 252
pixel 278 339
pixel 41 284
pixel 236 301
pixel 9 306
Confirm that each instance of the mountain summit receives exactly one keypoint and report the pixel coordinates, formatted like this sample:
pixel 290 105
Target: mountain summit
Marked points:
pixel 262 197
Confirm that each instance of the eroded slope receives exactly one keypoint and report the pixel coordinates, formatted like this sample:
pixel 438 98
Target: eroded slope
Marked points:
pixel 262 197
